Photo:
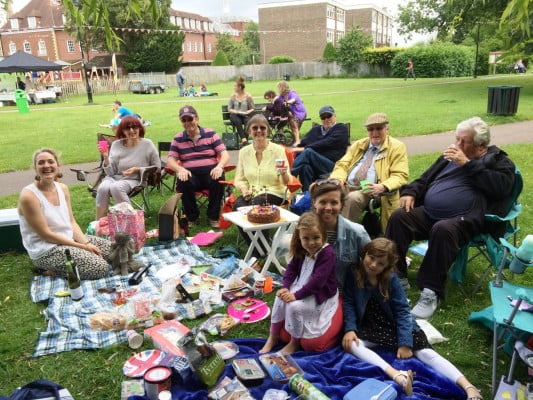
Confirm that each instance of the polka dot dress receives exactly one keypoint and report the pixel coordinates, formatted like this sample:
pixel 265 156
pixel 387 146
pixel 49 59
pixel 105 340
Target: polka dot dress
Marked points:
pixel 377 328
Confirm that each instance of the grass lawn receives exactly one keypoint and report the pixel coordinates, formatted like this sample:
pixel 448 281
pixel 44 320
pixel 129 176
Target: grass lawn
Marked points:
pixel 98 374
pixel 414 108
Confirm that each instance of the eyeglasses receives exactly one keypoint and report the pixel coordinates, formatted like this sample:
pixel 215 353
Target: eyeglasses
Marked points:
pixel 335 182
pixel 187 119
pixel 258 128
pixel 132 127
pixel 326 116
pixel 374 128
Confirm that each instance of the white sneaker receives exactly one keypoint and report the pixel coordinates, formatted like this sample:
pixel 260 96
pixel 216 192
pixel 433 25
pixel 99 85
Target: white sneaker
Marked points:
pixel 427 304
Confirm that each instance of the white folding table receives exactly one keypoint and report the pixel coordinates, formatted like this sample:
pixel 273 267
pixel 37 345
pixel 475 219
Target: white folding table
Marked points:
pixel 256 234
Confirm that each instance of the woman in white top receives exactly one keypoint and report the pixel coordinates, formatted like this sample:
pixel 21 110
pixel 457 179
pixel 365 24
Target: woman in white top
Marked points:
pixel 48 227
pixel 123 163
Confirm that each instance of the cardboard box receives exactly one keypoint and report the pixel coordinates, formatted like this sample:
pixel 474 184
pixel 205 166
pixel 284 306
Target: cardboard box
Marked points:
pixel 168 219
pixel 165 336
pixel 10 231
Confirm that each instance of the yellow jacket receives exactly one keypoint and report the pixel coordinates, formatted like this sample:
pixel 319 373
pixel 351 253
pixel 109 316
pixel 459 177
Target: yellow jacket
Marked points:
pixel 392 170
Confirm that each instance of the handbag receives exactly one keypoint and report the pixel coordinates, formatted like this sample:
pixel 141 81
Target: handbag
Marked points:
pixel 231 140
pixel 124 218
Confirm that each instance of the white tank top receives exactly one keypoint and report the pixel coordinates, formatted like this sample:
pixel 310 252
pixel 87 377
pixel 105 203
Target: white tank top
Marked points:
pixel 57 218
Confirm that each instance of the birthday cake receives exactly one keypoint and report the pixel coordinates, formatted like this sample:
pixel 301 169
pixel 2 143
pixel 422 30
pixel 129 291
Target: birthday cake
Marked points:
pixel 263 214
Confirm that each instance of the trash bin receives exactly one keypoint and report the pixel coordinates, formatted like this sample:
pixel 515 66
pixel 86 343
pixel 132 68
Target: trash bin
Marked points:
pixel 503 100
pixel 22 101
pixel 286 77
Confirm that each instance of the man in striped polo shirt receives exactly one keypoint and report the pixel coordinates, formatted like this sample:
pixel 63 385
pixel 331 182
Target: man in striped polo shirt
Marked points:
pixel 198 157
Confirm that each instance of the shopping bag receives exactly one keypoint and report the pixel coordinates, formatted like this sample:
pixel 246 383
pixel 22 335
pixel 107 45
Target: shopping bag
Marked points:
pixel 227 207
pixel 231 140
pixel 301 203
pixel 124 218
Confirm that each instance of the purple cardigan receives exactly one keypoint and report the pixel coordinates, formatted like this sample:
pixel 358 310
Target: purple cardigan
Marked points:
pixel 323 281
pixel 298 108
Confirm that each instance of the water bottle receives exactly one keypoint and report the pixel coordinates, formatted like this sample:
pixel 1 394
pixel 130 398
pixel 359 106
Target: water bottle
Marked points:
pixel 523 256
pixel 74 283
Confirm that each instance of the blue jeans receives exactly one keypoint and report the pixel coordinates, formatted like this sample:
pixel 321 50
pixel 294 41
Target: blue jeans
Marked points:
pixel 309 165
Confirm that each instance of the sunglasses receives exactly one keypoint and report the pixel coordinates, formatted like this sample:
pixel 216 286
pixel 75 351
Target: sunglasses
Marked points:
pixel 258 128
pixel 375 128
pixel 187 119
pixel 325 116
pixel 132 127
pixel 335 182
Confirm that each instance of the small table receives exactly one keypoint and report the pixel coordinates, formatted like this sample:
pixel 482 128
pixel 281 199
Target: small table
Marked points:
pixel 255 232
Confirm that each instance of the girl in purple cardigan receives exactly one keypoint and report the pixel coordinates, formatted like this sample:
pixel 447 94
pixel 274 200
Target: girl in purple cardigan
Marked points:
pixel 307 313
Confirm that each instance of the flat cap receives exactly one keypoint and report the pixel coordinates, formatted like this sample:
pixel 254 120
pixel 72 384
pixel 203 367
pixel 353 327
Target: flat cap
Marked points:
pixel 377 119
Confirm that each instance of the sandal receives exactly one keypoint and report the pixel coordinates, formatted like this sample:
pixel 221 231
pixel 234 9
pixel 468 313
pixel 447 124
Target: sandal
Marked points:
pixel 475 396
pixel 406 383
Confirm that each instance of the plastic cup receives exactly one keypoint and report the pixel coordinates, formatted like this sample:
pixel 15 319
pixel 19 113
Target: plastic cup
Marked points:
pixel 268 284
pixel 103 145
pixel 364 185
pixel 134 339
pixel 280 163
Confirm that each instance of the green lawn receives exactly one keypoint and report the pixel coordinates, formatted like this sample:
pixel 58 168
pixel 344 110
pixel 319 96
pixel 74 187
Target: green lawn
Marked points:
pixel 414 108
pixel 97 374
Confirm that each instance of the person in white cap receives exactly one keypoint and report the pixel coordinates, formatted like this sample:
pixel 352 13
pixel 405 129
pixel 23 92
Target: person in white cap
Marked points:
pixel 320 149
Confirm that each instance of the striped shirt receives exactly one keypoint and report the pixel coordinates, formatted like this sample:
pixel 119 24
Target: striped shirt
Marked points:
pixel 200 156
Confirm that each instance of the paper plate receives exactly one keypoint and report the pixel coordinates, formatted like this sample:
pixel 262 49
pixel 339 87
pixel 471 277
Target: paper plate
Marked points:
pixel 249 310
pixel 139 363
pixel 226 349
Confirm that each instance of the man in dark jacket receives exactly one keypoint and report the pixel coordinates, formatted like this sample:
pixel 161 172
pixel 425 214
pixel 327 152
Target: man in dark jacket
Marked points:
pixel 320 149
pixel 447 204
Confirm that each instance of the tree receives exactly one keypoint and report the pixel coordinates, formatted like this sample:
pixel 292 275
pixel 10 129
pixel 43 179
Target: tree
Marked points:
pixel 330 53
pixel 220 59
pixel 154 52
pixel 350 48
pixel 250 38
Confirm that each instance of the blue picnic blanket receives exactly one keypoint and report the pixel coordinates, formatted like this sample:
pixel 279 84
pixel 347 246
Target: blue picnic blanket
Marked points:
pixel 334 372
pixel 68 321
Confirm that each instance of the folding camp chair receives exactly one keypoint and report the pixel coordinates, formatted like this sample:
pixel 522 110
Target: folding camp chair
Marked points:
pixel 93 177
pixel 164 147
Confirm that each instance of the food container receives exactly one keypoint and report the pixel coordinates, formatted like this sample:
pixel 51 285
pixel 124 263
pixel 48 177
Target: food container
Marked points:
pixel 226 349
pixel 280 367
pixel 248 371
pixel 157 380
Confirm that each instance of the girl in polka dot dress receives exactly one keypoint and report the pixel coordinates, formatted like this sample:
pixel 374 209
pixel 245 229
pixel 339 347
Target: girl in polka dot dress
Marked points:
pixel 376 312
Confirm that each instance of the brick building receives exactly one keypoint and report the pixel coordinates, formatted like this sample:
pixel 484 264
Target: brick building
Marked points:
pixel 301 28
pixel 38 29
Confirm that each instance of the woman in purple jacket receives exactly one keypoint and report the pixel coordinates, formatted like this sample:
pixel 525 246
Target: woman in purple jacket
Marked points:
pixel 297 109
pixel 307 313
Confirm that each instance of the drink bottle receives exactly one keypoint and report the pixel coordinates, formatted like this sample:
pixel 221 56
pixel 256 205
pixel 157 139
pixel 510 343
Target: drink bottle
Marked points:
pixel 74 284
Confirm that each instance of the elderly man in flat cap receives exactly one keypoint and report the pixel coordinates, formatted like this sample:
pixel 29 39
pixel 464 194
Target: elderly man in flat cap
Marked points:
pixel 379 162
pixel 320 149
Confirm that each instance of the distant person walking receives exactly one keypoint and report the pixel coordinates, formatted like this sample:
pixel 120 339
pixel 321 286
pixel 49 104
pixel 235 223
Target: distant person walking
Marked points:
pixel 180 80
pixel 410 70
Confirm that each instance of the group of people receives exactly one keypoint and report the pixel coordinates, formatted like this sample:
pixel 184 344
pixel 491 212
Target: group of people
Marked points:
pixel 339 283
pixel 287 104
pixel 190 91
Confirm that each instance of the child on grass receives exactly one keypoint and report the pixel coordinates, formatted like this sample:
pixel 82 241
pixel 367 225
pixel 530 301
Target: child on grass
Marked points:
pixel 376 312
pixel 307 312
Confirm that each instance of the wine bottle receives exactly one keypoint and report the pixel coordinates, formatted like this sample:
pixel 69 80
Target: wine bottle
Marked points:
pixel 138 276
pixel 74 283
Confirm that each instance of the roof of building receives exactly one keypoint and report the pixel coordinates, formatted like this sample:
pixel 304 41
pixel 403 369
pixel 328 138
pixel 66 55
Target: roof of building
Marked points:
pixel 185 14
pixel 50 14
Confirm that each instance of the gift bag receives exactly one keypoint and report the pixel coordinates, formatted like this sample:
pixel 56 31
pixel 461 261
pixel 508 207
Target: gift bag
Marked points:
pixel 124 218
pixel 226 208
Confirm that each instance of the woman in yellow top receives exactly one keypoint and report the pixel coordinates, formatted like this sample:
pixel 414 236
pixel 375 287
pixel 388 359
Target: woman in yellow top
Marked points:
pixel 258 177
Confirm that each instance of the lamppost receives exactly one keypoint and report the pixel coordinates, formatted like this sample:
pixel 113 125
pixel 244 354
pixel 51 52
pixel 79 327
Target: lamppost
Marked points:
pixel 88 89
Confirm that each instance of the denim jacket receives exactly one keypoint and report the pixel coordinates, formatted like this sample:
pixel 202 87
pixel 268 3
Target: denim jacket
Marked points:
pixel 396 308
pixel 351 238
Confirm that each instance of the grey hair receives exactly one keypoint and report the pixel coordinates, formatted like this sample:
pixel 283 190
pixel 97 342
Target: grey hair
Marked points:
pixel 479 127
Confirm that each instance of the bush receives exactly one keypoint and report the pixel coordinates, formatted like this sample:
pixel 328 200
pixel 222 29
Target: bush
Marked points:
pixel 330 53
pixel 281 60
pixel 380 56
pixel 351 47
pixel 220 59
pixel 435 61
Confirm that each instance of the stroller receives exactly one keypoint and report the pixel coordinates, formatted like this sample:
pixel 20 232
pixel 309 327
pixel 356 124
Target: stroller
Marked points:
pixel 278 115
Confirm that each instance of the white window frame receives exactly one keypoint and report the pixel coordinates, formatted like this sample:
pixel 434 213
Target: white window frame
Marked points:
pixel 27 47
pixel 198 25
pixel 201 47
pixel 70 46
pixel 42 47
pixel 330 12
pixel 209 48
pixel 195 47
pixel 189 46
pixel 186 23
pixel 12 48
pixel 32 22
pixel 14 23
pixel 330 36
